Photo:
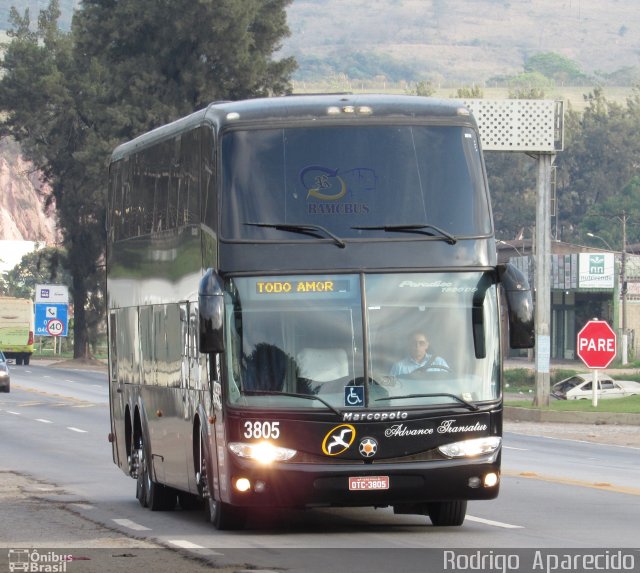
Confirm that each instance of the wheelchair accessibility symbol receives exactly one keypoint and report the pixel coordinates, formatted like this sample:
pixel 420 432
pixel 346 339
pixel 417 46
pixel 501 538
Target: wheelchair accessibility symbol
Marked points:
pixel 354 396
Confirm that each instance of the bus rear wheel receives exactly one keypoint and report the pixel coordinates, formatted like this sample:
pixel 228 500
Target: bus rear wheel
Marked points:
pixel 155 496
pixel 447 513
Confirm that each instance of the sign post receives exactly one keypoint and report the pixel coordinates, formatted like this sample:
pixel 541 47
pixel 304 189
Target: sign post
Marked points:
pixel 596 348
pixel 51 312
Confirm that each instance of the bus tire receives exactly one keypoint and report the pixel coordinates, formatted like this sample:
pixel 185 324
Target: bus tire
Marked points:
pixel 224 516
pixel 26 360
pixel 155 496
pixel 189 501
pixel 447 513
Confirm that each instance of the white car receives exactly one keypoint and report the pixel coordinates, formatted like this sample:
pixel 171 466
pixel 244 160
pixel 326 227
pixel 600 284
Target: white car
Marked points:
pixel 5 380
pixel 580 387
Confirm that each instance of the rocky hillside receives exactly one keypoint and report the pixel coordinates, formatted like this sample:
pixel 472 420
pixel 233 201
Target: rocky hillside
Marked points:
pixel 22 212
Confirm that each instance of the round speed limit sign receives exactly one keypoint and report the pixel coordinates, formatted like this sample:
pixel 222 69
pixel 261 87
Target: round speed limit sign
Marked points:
pixel 55 327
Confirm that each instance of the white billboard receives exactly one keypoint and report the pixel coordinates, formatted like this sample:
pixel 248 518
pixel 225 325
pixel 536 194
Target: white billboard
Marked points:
pixel 52 293
pixel 596 270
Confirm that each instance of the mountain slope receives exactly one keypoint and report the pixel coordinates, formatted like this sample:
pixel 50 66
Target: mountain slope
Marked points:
pixel 462 41
pixel 469 40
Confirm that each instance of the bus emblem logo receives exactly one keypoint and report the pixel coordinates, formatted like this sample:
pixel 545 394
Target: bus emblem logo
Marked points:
pixel 368 447
pixel 338 440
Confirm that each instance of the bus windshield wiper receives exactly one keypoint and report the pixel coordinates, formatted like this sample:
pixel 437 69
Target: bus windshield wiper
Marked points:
pixel 467 404
pixel 414 228
pixel 307 228
pixel 293 395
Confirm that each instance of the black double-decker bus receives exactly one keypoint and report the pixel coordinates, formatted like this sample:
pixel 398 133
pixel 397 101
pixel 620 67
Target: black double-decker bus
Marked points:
pixel 273 266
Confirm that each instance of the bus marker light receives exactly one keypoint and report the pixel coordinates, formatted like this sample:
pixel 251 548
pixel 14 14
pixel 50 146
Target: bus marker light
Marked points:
pixel 259 486
pixel 491 479
pixel 159 413
pixel 243 484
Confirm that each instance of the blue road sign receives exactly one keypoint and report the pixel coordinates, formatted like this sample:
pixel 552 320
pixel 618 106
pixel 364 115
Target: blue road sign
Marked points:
pixel 46 312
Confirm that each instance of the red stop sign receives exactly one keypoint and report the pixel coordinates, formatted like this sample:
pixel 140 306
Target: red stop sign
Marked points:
pixel 597 344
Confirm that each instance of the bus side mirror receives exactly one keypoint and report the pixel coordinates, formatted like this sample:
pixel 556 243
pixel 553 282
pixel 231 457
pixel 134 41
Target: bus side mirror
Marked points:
pixel 211 313
pixel 520 306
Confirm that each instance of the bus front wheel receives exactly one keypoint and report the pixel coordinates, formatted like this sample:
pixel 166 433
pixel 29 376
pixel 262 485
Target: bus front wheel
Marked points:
pixel 447 513
pixel 222 515
pixel 225 516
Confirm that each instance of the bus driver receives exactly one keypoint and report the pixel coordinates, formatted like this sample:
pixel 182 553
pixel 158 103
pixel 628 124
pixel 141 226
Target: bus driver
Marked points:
pixel 418 357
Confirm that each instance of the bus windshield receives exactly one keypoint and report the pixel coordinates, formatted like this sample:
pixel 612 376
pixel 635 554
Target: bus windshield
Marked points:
pixel 362 341
pixel 346 177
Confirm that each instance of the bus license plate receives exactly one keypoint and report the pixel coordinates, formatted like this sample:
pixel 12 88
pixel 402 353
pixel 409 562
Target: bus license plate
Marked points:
pixel 367 483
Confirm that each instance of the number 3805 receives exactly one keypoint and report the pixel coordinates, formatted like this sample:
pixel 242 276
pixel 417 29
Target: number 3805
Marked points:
pixel 262 430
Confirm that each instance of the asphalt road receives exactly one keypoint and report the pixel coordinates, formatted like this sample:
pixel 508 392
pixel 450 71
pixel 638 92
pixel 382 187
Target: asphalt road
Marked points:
pixel 556 495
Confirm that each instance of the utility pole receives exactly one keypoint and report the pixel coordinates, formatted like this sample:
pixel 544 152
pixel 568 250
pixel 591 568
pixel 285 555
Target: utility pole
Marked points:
pixel 542 279
pixel 623 290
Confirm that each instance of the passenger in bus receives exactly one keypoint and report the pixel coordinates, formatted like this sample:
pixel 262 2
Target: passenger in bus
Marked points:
pixel 418 357
pixel 265 368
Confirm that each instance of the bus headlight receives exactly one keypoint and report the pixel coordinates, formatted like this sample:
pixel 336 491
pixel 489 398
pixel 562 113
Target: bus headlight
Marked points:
pixel 262 452
pixel 471 448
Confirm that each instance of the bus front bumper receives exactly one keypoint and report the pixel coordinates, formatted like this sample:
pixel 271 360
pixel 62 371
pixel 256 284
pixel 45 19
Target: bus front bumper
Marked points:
pixel 361 485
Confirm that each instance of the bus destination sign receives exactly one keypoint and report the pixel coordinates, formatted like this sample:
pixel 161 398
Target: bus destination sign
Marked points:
pixel 301 286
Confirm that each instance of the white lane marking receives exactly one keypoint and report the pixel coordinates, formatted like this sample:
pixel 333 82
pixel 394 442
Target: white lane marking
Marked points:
pixel 184 544
pixel 131 525
pixel 72 381
pixel 44 421
pixel 76 430
pixel 14 413
pixel 494 523
pixel 512 448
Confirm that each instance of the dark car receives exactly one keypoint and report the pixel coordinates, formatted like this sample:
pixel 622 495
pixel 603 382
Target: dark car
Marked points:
pixel 5 380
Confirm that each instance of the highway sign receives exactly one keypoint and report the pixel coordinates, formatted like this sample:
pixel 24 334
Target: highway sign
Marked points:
pixel 45 313
pixel 55 327
pixel 597 344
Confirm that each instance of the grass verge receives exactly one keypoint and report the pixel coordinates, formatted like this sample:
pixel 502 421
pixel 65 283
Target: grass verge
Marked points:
pixel 629 405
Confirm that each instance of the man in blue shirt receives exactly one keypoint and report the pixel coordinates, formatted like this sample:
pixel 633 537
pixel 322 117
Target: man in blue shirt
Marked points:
pixel 419 357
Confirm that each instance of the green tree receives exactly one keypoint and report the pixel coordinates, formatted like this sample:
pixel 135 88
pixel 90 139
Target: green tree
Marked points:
pixel 167 58
pixel 125 67
pixel 43 266
pixel 599 160
pixel 421 88
pixel 512 183
pixel 44 98
pixel 605 219
pixel 529 86
pixel 469 92
pixel 555 67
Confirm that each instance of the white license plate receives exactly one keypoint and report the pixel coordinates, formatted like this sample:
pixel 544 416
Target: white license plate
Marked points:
pixel 368 483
